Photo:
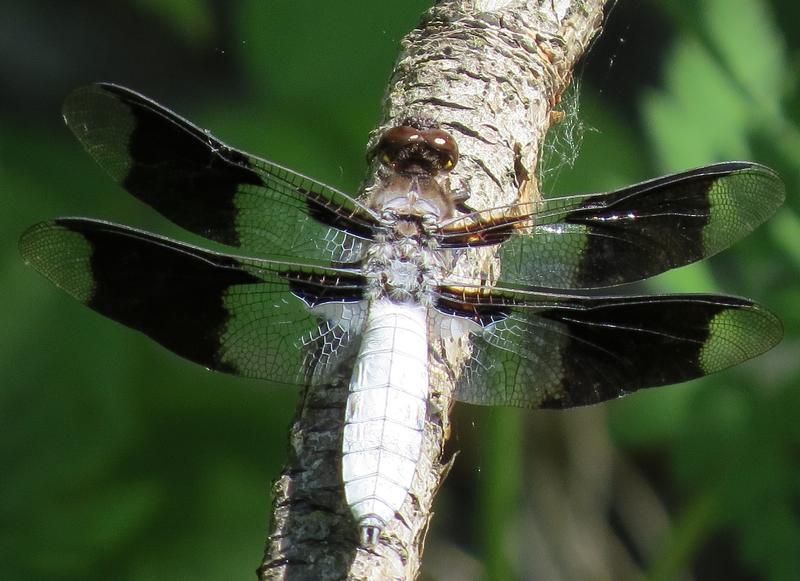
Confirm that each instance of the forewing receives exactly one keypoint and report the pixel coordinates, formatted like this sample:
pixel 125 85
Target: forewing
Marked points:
pixel 209 188
pixel 540 350
pixel 601 240
pixel 243 316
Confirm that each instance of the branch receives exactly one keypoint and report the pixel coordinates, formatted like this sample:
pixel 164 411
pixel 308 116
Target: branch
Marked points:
pixel 490 72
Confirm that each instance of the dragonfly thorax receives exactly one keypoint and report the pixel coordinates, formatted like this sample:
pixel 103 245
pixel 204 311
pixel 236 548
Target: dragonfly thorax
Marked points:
pixel 403 270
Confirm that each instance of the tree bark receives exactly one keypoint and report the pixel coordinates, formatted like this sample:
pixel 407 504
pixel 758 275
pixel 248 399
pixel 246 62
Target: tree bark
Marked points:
pixel 490 72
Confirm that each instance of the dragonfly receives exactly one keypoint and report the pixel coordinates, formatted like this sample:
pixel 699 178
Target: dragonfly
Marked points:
pixel 331 283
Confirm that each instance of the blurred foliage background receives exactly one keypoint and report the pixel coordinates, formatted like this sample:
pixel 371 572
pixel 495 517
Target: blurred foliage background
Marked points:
pixel 121 461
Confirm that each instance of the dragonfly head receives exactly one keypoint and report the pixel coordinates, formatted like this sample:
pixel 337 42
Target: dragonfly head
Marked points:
pixel 411 150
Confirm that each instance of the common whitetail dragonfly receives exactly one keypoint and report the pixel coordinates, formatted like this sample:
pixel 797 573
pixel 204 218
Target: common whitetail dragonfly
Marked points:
pixel 331 280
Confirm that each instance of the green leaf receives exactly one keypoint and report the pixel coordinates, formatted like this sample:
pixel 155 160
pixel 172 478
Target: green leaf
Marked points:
pixel 751 48
pixel 699 94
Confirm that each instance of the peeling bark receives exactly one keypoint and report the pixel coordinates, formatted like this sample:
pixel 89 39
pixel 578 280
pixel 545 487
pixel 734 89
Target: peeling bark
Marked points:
pixel 490 72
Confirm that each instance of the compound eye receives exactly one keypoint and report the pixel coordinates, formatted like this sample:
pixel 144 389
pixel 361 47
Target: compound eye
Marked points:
pixel 444 144
pixel 393 141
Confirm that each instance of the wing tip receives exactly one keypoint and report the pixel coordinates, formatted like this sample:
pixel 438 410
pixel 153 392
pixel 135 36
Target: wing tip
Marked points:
pixel 61 254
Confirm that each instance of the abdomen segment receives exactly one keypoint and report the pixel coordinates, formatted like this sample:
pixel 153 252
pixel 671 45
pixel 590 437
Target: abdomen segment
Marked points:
pixel 385 414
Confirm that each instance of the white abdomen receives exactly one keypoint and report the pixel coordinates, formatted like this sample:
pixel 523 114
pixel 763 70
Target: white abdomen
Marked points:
pixel 385 414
